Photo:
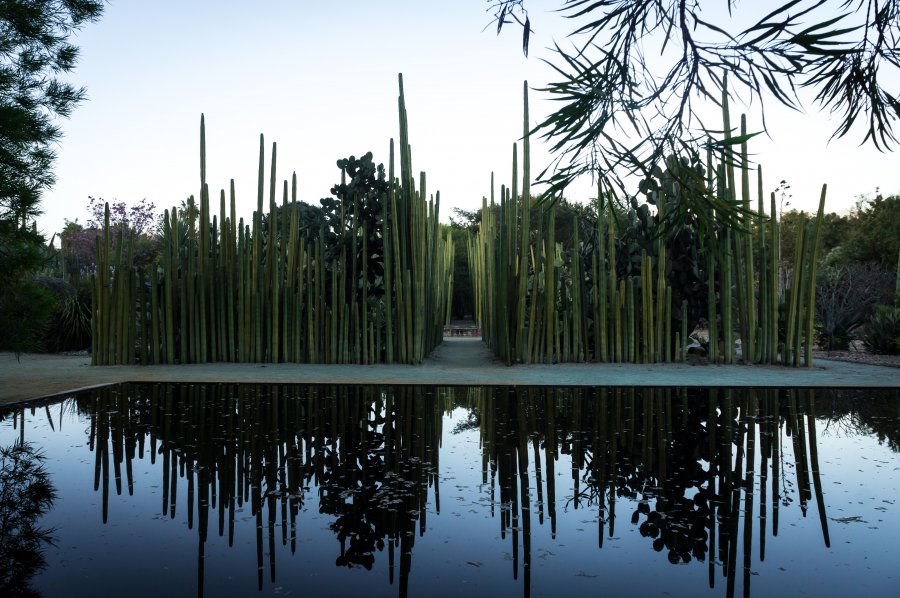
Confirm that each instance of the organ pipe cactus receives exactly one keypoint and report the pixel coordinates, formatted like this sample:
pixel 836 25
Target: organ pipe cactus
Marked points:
pixel 266 292
pixel 544 299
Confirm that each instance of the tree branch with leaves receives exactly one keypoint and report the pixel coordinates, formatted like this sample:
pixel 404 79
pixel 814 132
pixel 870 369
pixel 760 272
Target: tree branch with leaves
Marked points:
pixel 623 110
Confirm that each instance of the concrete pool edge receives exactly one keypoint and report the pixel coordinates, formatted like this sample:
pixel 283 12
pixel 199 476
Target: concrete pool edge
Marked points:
pixel 455 362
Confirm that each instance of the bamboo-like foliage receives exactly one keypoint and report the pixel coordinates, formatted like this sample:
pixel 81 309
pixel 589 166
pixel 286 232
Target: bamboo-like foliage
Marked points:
pixel 543 300
pixel 269 291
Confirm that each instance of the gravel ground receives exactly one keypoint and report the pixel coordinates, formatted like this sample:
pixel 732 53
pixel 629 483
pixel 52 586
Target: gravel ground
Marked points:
pixel 892 361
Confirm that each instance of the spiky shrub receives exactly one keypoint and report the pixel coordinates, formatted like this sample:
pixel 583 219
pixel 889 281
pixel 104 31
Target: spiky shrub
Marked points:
pixel 882 333
pixel 70 328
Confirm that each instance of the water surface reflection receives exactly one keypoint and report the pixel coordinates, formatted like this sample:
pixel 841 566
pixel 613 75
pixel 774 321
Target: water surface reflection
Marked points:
pixel 705 476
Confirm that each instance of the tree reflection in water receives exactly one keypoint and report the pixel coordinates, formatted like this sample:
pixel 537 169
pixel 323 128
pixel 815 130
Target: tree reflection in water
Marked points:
pixel 690 466
pixel 26 495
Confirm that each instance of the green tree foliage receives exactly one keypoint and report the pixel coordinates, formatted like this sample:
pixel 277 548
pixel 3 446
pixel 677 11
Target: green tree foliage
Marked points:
pixel 26 310
pixel 34 56
pixel 875 232
pixel 836 229
pixel 465 219
pixel 869 233
pixel 858 257
pixel 632 84
pixel 24 305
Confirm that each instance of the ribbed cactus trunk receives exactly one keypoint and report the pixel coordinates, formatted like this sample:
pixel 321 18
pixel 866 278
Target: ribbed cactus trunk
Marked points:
pixel 265 292
pixel 225 291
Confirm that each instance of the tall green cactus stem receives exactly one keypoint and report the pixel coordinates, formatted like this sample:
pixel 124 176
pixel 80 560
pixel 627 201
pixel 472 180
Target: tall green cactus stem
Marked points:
pixel 748 341
pixel 631 332
pixel 774 250
pixel 550 321
pixel 663 312
pixel 265 292
pixel 794 293
pixel 712 300
pixel 811 296
pixel 524 225
pixel 762 342
pixel 615 306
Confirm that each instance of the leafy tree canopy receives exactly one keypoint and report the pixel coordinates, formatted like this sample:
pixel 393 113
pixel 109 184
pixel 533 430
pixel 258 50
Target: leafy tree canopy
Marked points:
pixel 875 235
pixel 632 84
pixel 34 54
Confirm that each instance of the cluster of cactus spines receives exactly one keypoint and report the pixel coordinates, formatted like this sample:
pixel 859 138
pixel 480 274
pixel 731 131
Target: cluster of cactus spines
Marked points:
pixel 539 303
pixel 226 291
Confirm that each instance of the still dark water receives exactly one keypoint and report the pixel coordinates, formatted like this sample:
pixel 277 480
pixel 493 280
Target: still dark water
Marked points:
pixel 226 490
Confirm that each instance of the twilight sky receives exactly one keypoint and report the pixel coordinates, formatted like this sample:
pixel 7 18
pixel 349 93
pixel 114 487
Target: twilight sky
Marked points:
pixel 320 79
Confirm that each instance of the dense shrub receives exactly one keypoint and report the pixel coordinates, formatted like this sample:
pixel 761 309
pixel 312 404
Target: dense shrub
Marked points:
pixel 874 235
pixel 845 294
pixel 882 333
pixel 22 320
pixel 26 308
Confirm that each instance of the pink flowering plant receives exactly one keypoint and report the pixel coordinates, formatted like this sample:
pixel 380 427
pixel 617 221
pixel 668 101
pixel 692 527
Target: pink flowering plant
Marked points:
pixel 138 221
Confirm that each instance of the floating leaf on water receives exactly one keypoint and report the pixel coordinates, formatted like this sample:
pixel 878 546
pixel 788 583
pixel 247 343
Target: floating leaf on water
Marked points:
pixel 852 519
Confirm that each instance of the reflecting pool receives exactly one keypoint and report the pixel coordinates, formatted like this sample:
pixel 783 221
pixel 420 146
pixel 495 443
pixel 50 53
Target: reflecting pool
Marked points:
pixel 241 490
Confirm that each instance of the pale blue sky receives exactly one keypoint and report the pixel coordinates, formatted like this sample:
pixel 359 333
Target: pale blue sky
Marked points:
pixel 320 78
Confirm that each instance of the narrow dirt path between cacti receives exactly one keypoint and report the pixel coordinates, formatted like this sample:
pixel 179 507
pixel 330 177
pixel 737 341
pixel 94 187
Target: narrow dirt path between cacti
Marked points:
pixel 463 352
pixel 457 361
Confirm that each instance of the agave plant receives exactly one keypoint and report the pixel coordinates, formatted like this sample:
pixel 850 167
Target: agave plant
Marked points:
pixel 882 334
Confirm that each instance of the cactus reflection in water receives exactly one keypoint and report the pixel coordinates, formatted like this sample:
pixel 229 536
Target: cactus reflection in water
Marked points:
pixel 647 447
pixel 693 469
pixel 372 457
